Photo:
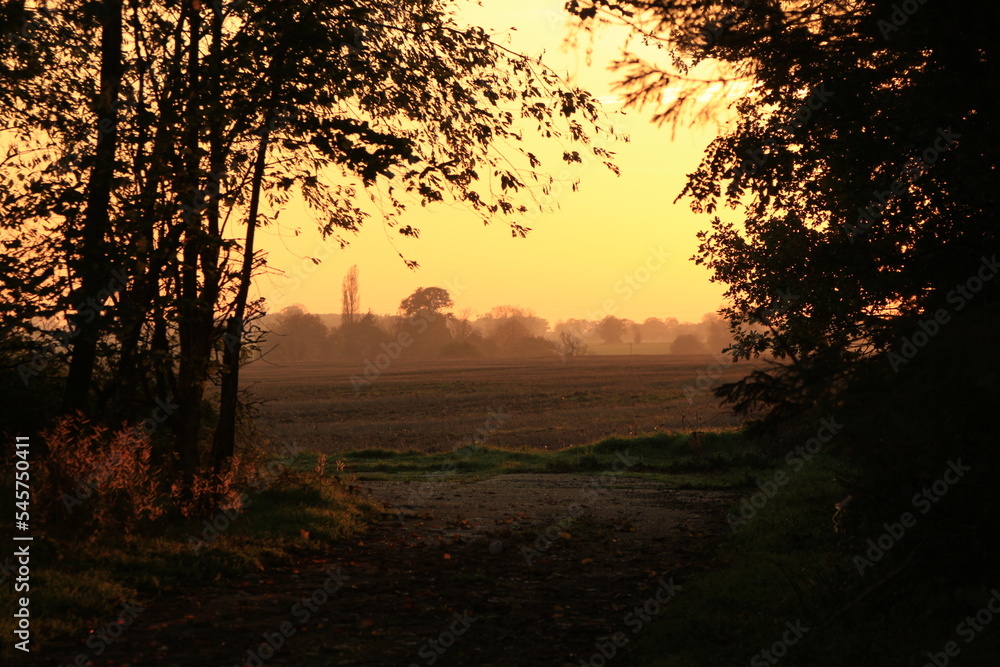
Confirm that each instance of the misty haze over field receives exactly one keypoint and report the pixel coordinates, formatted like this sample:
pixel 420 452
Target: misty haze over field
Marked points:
pixel 427 326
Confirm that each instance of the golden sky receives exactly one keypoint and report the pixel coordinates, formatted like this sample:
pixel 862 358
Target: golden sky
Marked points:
pixel 598 253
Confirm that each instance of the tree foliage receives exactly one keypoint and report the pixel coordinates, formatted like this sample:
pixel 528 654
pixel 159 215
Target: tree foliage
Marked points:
pixel 350 296
pixel 852 187
pixel 426 299
pixel 611 329
pixel 144 143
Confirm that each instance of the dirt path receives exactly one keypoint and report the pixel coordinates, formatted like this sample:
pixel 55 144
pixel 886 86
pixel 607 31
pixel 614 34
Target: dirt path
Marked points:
pixel 514 570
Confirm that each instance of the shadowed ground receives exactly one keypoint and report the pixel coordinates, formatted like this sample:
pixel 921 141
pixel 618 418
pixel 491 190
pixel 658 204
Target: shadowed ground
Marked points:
pixel 467 566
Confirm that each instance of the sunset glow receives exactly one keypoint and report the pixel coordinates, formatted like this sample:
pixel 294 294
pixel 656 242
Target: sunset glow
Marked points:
pixel 578 259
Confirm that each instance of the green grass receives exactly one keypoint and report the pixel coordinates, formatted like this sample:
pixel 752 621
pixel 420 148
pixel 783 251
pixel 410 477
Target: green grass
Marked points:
pixel 778 567
pixel 787 564
pixel 715 459
pixel 79 584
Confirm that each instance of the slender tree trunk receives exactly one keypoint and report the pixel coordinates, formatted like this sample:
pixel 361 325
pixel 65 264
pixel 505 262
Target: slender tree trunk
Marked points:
pixel 224 444
pixel 140 303
pixel 192 364
pixel 93 267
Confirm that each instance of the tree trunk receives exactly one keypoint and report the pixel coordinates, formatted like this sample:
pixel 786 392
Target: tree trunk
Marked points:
pixel 192 362
pixel 94 264
pixel 224 444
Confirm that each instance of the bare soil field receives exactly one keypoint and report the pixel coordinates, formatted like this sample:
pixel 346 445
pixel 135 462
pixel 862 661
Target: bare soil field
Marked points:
pixel 437 405
pixel 515 569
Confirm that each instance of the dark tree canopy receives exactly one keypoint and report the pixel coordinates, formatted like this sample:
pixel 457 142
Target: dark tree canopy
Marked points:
pixel 429 299
pixel 854 191
pixel 611 329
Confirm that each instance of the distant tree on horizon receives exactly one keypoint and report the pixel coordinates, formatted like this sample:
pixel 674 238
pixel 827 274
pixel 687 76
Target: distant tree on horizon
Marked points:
pixel 688 343
pixel 610 330
pixel 350 296
pixel 571 345
pixel 297 335
pixel 426 299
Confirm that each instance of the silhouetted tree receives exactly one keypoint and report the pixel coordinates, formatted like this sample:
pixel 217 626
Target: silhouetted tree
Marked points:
pixel 467 340
pixel 717 335
pixel 426 299
pixel 515 331
pixel 858 173
pixel 296 335
pixel 610 329
pixel 422 321
pixel 571 345
pixel 688 344
pixel 658 331
pixel 461 326
pixel 360 339
pixel 574 327
pixel 230 110
pixel 350 296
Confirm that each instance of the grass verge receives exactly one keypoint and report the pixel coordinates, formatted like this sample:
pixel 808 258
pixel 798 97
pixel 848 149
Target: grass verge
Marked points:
pixel 787 589
pixel 711 459
pixel 79 585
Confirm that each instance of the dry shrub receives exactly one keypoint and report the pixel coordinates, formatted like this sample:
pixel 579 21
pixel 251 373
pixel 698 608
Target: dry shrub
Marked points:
pixel 96 479
pixel 209 491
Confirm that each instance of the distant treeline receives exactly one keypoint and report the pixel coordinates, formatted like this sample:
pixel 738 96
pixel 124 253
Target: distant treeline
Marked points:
pixel 424 329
